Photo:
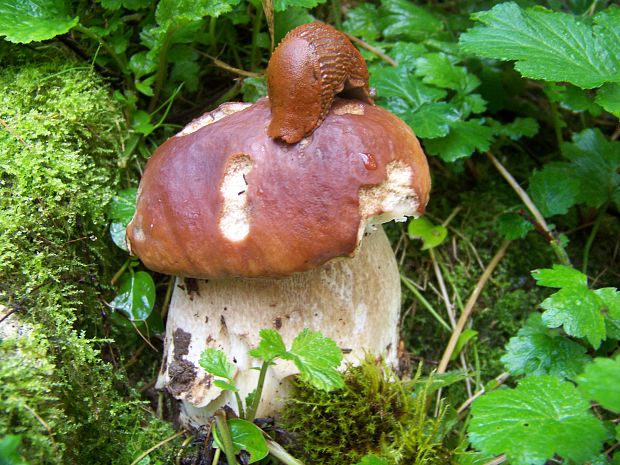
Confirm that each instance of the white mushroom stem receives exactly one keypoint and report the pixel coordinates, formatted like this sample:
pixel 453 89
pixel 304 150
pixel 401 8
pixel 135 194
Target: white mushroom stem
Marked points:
pixel 354 301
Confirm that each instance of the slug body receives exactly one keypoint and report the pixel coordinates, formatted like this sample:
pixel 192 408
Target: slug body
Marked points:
pixel 313 64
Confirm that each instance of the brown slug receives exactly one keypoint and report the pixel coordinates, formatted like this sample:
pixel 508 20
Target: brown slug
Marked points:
pixel 309 67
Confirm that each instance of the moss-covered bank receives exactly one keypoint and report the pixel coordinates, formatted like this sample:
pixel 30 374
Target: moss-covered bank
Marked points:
pixel 60 133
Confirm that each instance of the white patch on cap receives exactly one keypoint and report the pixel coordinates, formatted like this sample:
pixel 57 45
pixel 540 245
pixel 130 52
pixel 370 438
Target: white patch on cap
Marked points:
pixel 235 218
pixel 220 112
pixel 393 199
pixel 349 109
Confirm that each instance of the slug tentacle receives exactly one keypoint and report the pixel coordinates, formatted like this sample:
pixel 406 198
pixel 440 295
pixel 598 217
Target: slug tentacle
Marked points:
pixel 313 64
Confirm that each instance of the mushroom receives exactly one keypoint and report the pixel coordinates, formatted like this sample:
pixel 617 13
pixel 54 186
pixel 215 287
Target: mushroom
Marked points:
pixel 266 234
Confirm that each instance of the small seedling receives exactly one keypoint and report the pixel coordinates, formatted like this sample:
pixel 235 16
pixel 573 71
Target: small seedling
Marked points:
pixel 317 358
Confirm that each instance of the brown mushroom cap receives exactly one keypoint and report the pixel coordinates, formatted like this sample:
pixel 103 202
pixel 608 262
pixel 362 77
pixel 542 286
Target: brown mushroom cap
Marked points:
pixel 296 206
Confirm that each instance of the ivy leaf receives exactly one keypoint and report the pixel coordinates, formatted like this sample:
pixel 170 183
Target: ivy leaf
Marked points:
pixel 215 362
pixel 465 138
pixel 317 358
pixel 432 120
pixel 599 383
pixel 439 70
pixel 548 45
pixel 596 162
pixel 513 226
pixel 118 232
pixel 282 5
pixel 431 235
pixel 542 417
pixel 25 21
pixel 608 97
pixel 372 459
pixel 398 82
pixel 401 18
pixel 536 350
pixel 554 189
pixel 270 346
pixel 136 296
pixel 245 436
pixel 362 22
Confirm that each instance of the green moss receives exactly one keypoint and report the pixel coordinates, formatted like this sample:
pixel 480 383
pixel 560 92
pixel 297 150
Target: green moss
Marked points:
pixel 60 135
pixel 375 413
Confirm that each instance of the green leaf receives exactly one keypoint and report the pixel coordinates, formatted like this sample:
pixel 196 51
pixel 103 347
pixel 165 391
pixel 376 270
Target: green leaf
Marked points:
pixel 118 232
pixel 224 386
pixel 537 350
pixel 25 21
pixel 542 417
pixel 372 459
pixel 572 98
pixel 245 436
pixel 406 53
pixel 608 97
pixel 465 138
pixel 136 295
pixel 282 5
pixel 399 82
pixel 401 18
pixel 317 358
pixel 141 123
pixel 270 346
pixel 431 235
pixel 214 361
pixel 432 120
pixel 554 189
pixel 140 64
pixel 183 11
pixel 599 383
pixel 596 162
pixel 560 276
pixel 466 336
pixel 437 69
pixel 611 301
pixel 362 22
pixel 548 45
pixel 9 454
pixel 578 311
pixel 520 127
pixel 253 89
pixel 123 205
pixel 513 226
pixel 288 20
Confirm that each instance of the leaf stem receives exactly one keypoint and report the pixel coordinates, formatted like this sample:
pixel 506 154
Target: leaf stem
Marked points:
pixel 251 412
pixel 590 241
pixel 406 281
pixel 120 272
pixel 527 201
pixel 473 298
pixel 278 452
pixel 222 426
pixel 157 446
pixel 239 405
pixel 216 456
pixel 120 60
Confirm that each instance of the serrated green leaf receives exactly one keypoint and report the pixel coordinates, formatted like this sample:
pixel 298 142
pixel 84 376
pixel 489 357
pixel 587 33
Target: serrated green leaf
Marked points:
pixel 560 276
pixel 465 138
pixel 362 22
pixel 317 358
pixel 118 232
pixel 123 205
pixel 513 226
pixel 548 45
pixel 177 12
pixel 245 436
pixel 554 189
pixel 432 120
pixel 401 18
pixel 25 21
pixel 437 69
pixel 608 97
pixel 599 383
pixel 431 235
pixel 596 163
pixel 520 127
pixel 136 295
pixel 225 386
pixel 611 310
pixel 572 98
pixel 372 459
pixel 140 64
pixel 536 350
pixel 270 346
pixel 282 5
pixel 578 311
pixel 406 53
pixel 542 417
pixel 398 82
pixel 215 362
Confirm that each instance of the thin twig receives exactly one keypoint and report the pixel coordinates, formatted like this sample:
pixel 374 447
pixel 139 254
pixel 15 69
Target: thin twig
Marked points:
pixel 232 69
pixel 500 379
pixel 407 282
pixel 157 446
pixel 42 421
pixel 14 134
pixel 445 359
pixel 372 49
